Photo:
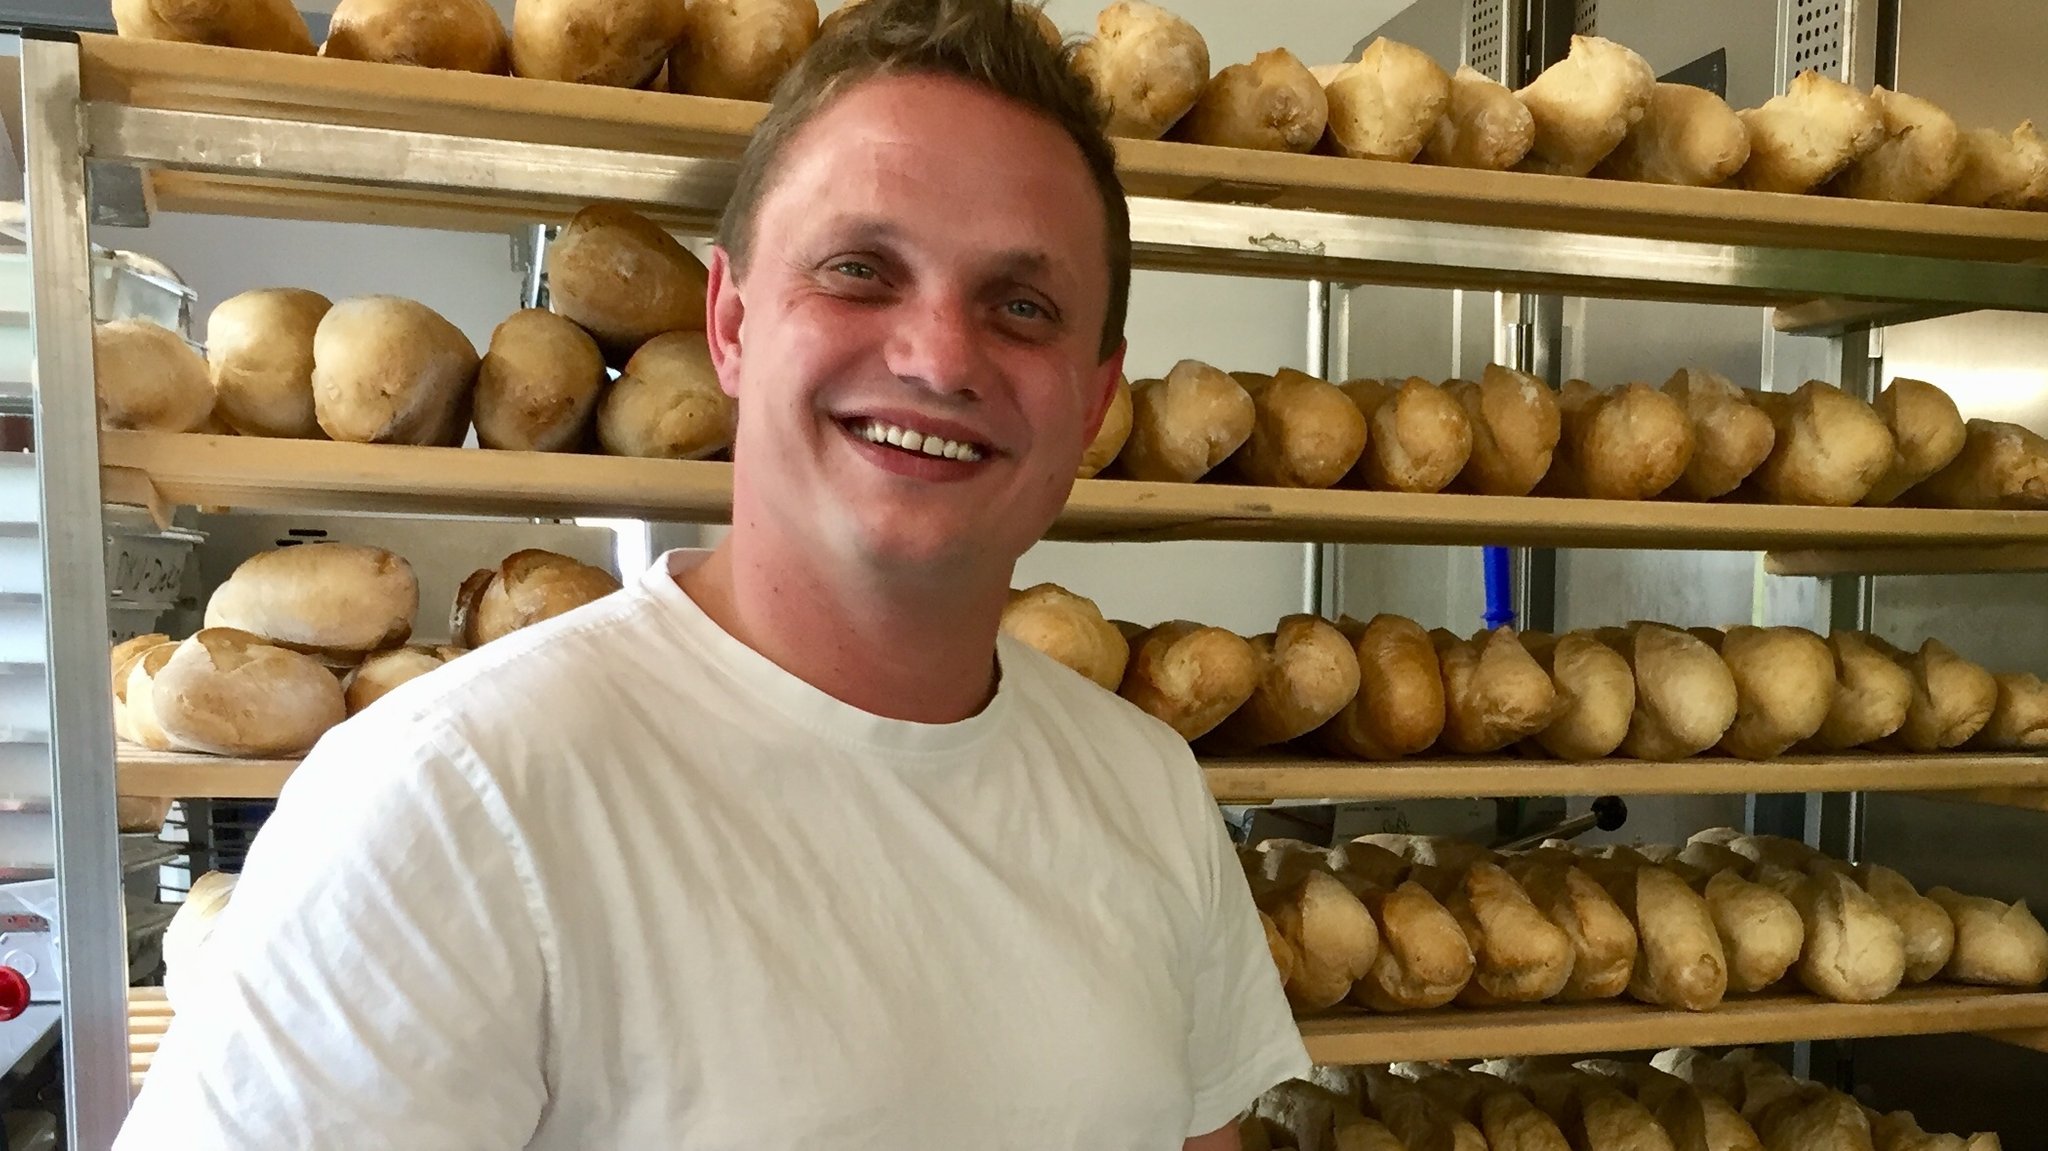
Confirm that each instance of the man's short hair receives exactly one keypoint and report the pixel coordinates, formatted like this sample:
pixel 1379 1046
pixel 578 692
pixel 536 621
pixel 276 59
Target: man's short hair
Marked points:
pixel 997 44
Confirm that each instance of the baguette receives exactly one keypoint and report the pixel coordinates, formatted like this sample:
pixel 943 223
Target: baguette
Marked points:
pixel 1997 944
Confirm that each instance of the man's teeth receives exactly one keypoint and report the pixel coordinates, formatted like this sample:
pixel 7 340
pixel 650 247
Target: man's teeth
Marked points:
pixel 877 432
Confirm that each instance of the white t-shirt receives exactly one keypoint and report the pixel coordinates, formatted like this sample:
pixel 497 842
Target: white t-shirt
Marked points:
pixel 619 882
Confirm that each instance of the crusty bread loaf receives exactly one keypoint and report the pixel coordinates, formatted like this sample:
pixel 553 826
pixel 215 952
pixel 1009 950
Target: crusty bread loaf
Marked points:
pixel 388 370
pixel 1190 677
pixel 1418 436
pixel 1927 434
pixel 1603 940
pixel 1679 960
pixel 1399 707
pixel 538 384
pixel 385 671
pixel 740 49
pixel 1627 444
pixel 1332 934
pixel 192 925
pixel 1185 424
pixel 458 35
pixel 1070 629
pixel 1494 692
pixel 1731 436
pixel 148 379
pixel 1515 429
pixel 1310 1116
pixel 1872 694
pixel 1688 136
pixel 1416 1118
pixel 1505 1116
pixel 231 693
pixel 1997 944
pixel 1803 138
pixel 623 279
pixel 1308 673
pixel 1109 438
pixel 1685 695
pixel 667 404
pixel 1484 126
pixel 2001 466
pixel 1272 104
pixel 2019 715
pixel 616 43
pixel 1854 952
pixel 1596 695
pixel 1584 105
pixel 527 587
pixel 1424 959
pixel 264 25
pixel 1952 697
pixel 336 601
pixel 1998 170
pixel 259 351
pixel 1146 66
pixel 1916 159
pixel 1784 688
pixel 1386 105
pixel 1831 447
pixel 138 699
pixel 1927 930
pixel 1760 930
pixel 1520 955
pixel 1306 433
pixel 122 660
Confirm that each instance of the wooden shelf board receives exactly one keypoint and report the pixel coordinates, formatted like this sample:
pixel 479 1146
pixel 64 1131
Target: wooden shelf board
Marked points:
pixel 230 471
pixel 2024 798
pixel 147 774
pixel 1562 1029
pixel 2018 557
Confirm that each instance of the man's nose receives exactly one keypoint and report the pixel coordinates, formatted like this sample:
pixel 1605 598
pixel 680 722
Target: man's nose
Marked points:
pixel 937 344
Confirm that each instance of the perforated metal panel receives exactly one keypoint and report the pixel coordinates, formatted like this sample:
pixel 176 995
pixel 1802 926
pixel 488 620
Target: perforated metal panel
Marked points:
pixel 1586 17
pixel 1485 38
pixel 1814 40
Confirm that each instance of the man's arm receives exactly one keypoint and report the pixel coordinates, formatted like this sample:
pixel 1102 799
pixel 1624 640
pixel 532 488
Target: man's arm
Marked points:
pixel 1222 1139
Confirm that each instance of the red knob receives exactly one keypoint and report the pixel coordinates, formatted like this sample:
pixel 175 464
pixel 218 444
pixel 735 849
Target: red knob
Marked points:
pixel 13 993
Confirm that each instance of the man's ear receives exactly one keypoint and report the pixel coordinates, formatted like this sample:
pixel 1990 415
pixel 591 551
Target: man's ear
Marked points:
pixel 1104 380
pixel 723 312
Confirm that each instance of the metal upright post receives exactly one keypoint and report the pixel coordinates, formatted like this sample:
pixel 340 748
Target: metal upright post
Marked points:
pixel 95 950
pixel 1321 563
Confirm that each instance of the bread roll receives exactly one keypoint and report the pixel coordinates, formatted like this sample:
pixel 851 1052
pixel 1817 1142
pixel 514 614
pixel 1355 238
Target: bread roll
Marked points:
pixel 1627 444
pixel 1996 170
pixel 1424 959
pixel 1386 105
pixel 527 587
pixel 121 658
pixel 1314 1118
pixel 1997 944
pixel 1190 677
pixel 1872 694
pixel 1679 961
pixel 1367 862
pixel 1899 1131
pixel 1444 851
pixel 740 49
pixel 458 35
pixel 1854 952
pixel 1695 1119
pixel 1760 930
pixel 1484 126
pixel 615 43
pixel 230 693
pixel 192 925
pixel 1109 438
pixel 1185 424
pixel 388 370
pixel 335 601
pixel 1147 67
pixel 2001 466
pixel 1813 1118
pixel 667 404
pixel 1520 956
pixel 1515 429
pixel 1503 1114
pixel 1927 433
pixel 623 279
pixel 1332 934
pixel 1308 673
pixel 1584 105
pixel 138 699
pixel 148 379
pixel 1784 688
pixel 1952 697
pixel 2019 715
pixel 1418 437
pixel 1929 933
pixel 1272 104
pixel 1602 938
pixel 538 384
pixel 1596 695
pixel 259 352
pixel 1685 695
pixel 1831 447
pixel 386 671
pixel 1416 1118
pixel 1494 692
pixel 264 25
pixel 1305 433
pixel 1688 136
pixel 1917 158
pixel 1731 436
pixel 1070 629
pixel 1801 139
pixel 1399 708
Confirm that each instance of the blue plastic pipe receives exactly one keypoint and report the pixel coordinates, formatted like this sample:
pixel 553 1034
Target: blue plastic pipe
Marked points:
pixel 1500 587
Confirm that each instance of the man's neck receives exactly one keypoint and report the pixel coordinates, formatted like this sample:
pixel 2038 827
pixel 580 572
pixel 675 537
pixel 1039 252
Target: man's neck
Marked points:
pixel 903 653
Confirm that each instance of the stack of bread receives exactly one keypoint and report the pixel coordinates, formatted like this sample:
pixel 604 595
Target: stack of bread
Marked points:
pixel 1682 1099
pixel 299 638
pixel 1401 922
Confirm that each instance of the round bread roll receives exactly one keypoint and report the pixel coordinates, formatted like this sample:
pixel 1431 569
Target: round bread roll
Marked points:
pixel 264 25
pixel 1997 170
pixel 1917 158
pixel 1760 929
pixel 1306 433
pixel 1731 436
pixel 1685 695
pixel 1952 697
pixel 192 925
pixel 385 671
pixel 231 693
pixel 740 49
pixel 538 384
pixel 1596 695
pixel 668 404
pixel 2001 466
pixel 1147 67
pixel 1854 952
pixel 624 280
pixel 1494 692
pixel 1800 140
pixel 1272 104
pixel 1515 429
pixel 1688 136
pixel 1418 436
pixel 388 370
pixel 1387 104
pixel 1927 435
pixel 458 35
pixel 1308 673
pixel 138 699
pixel 1485 126
pixel 1831 448
pixel 336 601
pixel 1190 677
pixel 259 350
pixel 1186 424
pixel 1784 688
pixel 1399 708
pixel 616 43
pixel 1872 694
pixel 527 587
pixel 2019 717
pixel 1584 105
pixel 147 378
pixel 1997 944
pixel 1110 437
pixel 1628 444
pixel 1929 933
pixel 1070 629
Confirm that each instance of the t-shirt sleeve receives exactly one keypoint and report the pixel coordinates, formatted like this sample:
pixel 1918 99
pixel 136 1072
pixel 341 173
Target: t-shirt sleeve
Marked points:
pixel 377 979
pixel 1243 1038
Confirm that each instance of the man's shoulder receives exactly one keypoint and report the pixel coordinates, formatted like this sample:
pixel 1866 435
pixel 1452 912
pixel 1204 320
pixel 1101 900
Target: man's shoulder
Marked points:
pixel 1060 699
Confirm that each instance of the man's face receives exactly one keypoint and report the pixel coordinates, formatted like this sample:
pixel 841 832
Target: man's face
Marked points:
pixel 915 349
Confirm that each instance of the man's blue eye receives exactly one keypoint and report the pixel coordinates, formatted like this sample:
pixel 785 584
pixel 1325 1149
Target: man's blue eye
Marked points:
pixel 1025 309
pixel 854 268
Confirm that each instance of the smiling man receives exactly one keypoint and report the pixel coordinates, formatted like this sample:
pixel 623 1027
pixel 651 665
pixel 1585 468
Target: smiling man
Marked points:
pixel 785 849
